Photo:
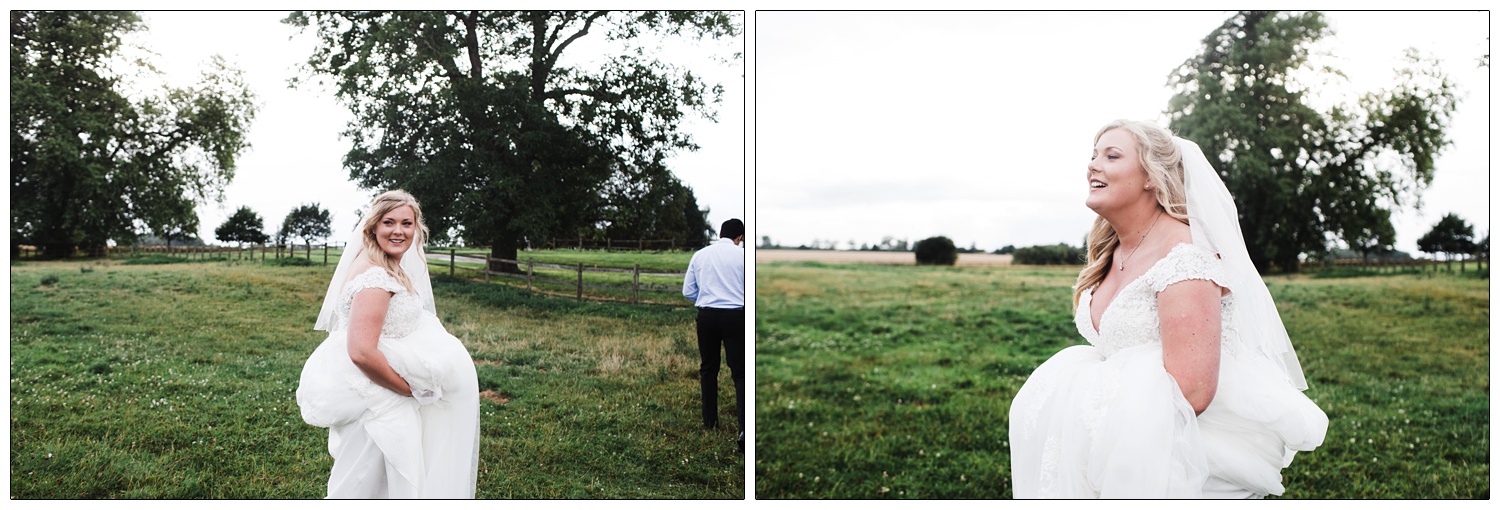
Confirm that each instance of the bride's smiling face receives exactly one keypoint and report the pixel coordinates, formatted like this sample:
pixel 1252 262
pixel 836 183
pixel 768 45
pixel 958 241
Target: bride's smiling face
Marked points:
pixel 396 231
pixel 1115 176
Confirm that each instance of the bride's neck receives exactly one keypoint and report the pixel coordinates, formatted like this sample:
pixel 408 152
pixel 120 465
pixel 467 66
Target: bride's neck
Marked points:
pixel 1133 227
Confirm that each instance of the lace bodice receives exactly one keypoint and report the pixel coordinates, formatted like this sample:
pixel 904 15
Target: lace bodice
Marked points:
pixel 1132 318
pixel 405 308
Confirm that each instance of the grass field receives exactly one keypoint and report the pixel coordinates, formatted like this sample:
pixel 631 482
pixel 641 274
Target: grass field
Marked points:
pixel 177 380
pixel 896 382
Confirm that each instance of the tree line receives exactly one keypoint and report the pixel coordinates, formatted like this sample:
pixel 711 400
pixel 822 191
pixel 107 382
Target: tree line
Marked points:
pixel 478 114
pixel 1310 181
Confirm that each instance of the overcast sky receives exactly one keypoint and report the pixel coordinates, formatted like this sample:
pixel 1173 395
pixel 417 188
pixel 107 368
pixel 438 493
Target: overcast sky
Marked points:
pixel 296 150
pixel 978 126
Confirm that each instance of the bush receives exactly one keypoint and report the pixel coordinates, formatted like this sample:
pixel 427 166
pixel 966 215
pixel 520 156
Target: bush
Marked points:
pixel 290 261
pixel 936 251
pixel 153 259
pixel 1057 254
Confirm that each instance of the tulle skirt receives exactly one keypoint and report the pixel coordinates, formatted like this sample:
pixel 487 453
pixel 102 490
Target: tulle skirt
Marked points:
pixel 1085 426
pixel 390 446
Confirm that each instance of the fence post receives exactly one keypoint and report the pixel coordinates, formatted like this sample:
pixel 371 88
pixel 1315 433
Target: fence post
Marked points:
pixel 580 281
pixel 635 286
pixel 452 254
pixel 487 265
pixel 528 274
pixel 580 243
pixel 325 254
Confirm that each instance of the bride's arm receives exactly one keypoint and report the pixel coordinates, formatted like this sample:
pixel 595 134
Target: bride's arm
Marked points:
pixel 366 316
pixel 1190 326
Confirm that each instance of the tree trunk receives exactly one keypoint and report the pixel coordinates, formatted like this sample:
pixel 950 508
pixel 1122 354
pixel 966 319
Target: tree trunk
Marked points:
pixel 56 251
pixel 1289 264
pixel 503 248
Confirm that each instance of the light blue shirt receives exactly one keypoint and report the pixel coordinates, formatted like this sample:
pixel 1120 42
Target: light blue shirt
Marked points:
pixel 716 276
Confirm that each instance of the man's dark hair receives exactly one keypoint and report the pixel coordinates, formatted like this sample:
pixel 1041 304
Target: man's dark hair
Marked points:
pixel 732 229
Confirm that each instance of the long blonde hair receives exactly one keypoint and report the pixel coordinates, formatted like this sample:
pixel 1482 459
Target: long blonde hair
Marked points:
pixel 1162 163
pixel 383 205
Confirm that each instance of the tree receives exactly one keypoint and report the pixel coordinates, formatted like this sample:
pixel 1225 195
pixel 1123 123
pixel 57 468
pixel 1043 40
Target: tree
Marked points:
pixel 89 164
pixel 1482 252
pixel 174 218
pixel 1300 177
pixel 244 226
pixel 1056 254
pixel 1370 233
pixel 479 115
pixel 1451 236
pixel 936 251
pixel 307 222
pixel 654 210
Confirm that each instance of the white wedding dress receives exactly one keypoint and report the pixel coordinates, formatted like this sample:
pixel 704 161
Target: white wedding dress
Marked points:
pixel 386 445
pixel 1106 420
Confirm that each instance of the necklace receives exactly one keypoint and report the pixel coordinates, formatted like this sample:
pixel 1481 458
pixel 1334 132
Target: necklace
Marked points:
pixel 1143 240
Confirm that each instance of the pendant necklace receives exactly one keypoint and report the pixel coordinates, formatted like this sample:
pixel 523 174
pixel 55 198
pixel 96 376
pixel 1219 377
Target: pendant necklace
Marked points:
pixel 1143 240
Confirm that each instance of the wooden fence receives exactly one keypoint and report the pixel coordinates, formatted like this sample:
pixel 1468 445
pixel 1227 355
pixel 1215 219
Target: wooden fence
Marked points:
pixel 581 243
pixel 311 252
pixel 1419 265
pixel 531 278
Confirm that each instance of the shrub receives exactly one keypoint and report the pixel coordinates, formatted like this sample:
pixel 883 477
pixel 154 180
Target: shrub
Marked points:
pixel 153 259
pixel 936 251
pixel 1057 254
pixel 290 261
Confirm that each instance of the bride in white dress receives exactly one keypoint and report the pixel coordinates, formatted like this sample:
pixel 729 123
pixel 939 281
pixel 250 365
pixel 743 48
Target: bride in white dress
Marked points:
pixel 397 392
pixel 1189 387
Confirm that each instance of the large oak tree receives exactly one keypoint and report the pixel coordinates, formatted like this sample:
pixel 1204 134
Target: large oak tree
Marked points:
pixel 481 116
pixel 1305 178
pixel 91 163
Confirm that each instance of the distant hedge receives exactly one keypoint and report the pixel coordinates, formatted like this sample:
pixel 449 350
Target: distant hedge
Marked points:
pixel 1049 255
pixel 936 251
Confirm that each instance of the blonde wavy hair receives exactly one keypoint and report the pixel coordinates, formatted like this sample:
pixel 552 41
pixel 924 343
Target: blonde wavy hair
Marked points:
pixel 1163 165
pixel 381 206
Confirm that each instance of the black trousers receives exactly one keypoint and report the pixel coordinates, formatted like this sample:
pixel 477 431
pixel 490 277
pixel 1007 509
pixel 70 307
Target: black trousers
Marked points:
pixel 721 326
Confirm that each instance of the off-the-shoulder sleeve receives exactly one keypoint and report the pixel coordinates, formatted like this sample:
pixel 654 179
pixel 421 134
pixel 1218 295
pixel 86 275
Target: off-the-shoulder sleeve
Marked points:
pixel 373 278
pixel 1189 262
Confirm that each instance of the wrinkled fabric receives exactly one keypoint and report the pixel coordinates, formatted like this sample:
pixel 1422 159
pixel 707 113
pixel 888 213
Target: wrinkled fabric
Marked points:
pixel 1106 420
pixel 387 445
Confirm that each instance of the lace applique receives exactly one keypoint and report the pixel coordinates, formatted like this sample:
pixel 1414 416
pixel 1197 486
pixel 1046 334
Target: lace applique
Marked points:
pixel 1133 319
pixel 401 317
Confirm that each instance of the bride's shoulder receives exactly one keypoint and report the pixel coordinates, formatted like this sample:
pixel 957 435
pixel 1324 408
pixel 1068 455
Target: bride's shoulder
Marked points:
pixel 365 270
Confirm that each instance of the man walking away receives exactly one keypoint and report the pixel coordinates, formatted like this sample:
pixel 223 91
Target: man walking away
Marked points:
pixel 715 282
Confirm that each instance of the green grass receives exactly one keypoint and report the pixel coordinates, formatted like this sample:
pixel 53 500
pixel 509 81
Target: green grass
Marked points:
pixel 668 291
pixel 178 380
pixel 896 382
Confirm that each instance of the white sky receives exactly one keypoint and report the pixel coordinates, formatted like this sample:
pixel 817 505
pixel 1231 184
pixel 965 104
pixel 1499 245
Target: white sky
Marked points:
pixel 978 126
pixel 296 151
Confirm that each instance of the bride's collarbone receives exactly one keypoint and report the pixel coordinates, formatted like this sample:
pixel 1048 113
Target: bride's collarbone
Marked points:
pixel 1117 280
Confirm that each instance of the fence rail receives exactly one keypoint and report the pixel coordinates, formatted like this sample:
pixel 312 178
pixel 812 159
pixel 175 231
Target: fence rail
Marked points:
pixel 1393 265
pixel 581 243
pixel 267 251
pixel 531 278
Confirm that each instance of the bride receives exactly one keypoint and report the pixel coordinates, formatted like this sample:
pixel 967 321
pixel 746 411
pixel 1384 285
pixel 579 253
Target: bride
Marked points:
pixel 1189 387
pixel 398 393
